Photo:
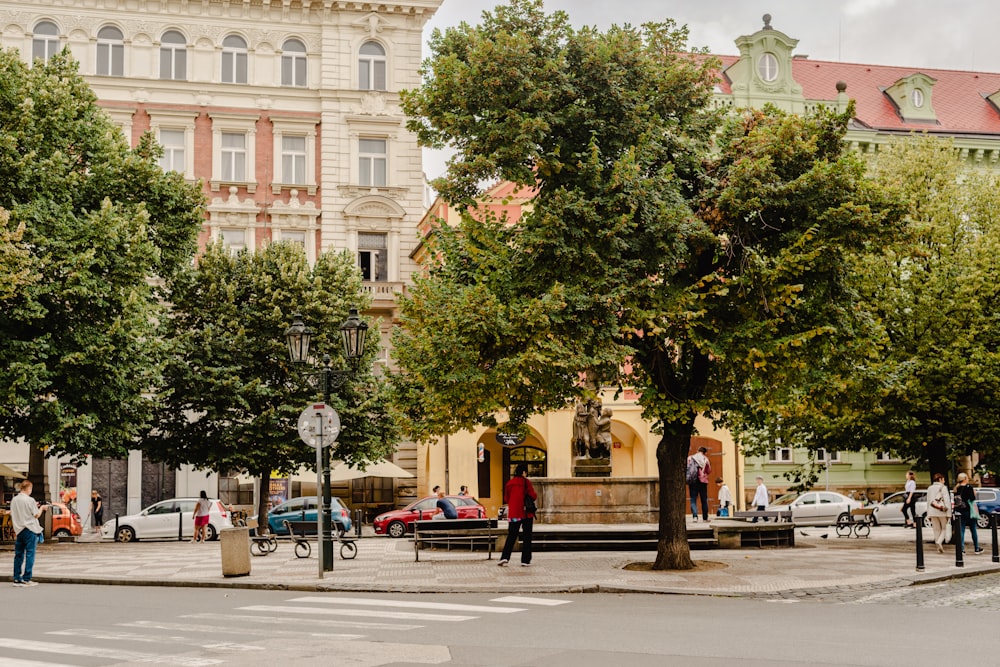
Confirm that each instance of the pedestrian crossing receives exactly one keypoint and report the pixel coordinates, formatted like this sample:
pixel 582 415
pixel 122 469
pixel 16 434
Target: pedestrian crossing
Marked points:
pixel 299 630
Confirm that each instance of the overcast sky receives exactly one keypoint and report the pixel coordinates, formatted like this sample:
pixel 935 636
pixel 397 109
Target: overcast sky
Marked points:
pixel 919 33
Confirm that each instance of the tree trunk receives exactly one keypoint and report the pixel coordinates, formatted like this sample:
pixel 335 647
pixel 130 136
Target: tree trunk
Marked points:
pixel 937 458
pixel 38 474
pixel 672 551
pixel 263 498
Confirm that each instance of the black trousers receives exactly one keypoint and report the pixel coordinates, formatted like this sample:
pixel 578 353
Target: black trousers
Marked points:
pixel 910 510
pixel 699 490
pixel 523 526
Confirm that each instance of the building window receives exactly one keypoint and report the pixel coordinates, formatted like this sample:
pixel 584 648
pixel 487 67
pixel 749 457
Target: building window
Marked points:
pixel 824 456
pixel 917 98
pixel 293 63
pixel 780 455
pixel 173 56
pixel 886 457
pixel 234 239
pixel 234 157
pixel 173 142
pixel 296 238
pixel 234 59
pixel 371 67
pixel 373 257
pixel 767 67
pixel 110 52
pixel 371 162
pixel 45 42
pixel 293 160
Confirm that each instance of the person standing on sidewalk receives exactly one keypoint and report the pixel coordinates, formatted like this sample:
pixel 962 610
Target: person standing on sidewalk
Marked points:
pixel 938 509
pixel 760 498
pixel 698 470
pixel 24 513
pixel 520 518
pixel 910 500
pixel 201 512
pixel 97 509
pixel 965 495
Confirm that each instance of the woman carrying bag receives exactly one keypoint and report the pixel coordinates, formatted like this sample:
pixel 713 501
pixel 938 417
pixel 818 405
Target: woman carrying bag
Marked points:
pixel 938 509
pixel 965 506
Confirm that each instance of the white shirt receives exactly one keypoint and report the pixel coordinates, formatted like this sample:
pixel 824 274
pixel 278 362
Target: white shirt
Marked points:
pixel 911 486
pixel 725 497
pixel 760 497
pixel 24 513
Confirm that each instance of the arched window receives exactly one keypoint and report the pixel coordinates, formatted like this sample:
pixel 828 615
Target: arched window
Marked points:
pixel 767 67
pixel 110 51
pixel 173 56
pixel 371 66
pixel 45 42
pixel 533 457
pixel 293 63
pixel 234 59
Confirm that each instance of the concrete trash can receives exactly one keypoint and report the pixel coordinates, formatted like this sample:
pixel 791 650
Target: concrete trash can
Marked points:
pixel 235 543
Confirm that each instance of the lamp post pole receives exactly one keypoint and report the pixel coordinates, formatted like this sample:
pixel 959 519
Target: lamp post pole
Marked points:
pixel 327 536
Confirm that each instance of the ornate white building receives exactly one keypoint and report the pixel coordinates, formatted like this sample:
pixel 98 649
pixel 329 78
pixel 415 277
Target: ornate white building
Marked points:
pixel 286 110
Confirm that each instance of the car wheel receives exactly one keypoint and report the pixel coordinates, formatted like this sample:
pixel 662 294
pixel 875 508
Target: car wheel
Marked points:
pixel 211 534
pixel 62 532
pixel 983 521
pixel 396 529
pixel 844 517
pixel 125 534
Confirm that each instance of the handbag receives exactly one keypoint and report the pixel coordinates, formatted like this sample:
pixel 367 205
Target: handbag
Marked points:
pixel 973 511
pixel 938 505
pixel 529 505
pixel 960 503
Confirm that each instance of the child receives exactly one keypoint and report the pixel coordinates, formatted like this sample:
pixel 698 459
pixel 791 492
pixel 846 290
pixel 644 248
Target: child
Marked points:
pixel 725 497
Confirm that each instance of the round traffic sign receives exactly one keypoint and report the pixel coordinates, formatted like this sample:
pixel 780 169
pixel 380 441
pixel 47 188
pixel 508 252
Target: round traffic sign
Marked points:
pixel 319 425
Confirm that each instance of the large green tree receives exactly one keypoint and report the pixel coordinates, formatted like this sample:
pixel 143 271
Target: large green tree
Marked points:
pixel 230 397
pixel 929 389
pixel 100 223
pixel 715 269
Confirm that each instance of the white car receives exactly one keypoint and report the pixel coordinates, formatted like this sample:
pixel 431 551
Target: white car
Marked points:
pixel 889 512
pixel 815 508
pixel 163 520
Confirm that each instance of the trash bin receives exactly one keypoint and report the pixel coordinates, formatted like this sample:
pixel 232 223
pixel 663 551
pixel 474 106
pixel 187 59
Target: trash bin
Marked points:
pixel 235 547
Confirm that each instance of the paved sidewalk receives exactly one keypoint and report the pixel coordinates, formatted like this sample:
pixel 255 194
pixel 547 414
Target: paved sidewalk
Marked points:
pixel 816 566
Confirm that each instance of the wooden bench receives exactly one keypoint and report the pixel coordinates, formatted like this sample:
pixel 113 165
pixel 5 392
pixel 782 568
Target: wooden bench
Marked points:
pixel 778 515
pixel 298 533
pixel 859 522
pixel 452 532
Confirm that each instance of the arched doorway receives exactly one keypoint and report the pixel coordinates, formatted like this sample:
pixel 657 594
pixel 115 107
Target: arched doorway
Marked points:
pixel 533 457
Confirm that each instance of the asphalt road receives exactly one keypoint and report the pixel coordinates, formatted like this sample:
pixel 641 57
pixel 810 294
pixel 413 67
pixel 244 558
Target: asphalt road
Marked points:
pixel 52 625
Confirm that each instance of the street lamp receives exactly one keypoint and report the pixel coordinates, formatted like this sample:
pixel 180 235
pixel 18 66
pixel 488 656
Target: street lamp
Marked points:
pixel 298 336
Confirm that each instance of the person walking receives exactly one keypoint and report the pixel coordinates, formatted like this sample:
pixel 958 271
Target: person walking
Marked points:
pixel 938 509
pixel 201 512
pixel 97 509
pixel 760 497
pixel 910 500
pixel 697 472
pixel 965 496
pixel 520 514
pixel 725 497
pixel 24 513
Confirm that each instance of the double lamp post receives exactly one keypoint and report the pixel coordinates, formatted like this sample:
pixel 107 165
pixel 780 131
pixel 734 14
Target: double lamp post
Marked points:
pixel 298 336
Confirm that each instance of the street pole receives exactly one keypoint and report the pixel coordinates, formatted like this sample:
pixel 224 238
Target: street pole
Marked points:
pixel 326 551
pixel 319 510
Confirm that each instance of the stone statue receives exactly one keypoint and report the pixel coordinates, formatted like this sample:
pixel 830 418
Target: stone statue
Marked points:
pixel 592 430
pixel 602 447
pixel 581 429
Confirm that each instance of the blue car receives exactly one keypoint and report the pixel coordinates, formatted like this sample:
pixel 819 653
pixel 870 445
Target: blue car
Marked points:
pixel 987 500
pixel 304 509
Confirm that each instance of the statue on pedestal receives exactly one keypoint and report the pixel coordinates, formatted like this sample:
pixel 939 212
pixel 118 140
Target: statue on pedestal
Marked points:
pixel 592 430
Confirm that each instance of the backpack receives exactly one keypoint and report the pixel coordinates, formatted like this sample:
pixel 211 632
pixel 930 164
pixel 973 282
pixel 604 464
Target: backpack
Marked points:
pixel 691 473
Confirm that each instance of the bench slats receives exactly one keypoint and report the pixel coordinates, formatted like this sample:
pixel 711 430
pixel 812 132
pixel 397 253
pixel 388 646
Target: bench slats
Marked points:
pixel 471 532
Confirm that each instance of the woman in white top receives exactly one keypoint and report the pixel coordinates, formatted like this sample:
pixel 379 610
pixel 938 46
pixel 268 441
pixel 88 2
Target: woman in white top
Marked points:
pixel 938 509
pixel 910 500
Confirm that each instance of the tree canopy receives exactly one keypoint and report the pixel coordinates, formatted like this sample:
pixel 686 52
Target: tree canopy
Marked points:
pixel 710 258
pixel 98 224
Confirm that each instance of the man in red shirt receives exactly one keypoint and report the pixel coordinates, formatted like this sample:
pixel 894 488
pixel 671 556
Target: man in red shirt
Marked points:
pixel 519 518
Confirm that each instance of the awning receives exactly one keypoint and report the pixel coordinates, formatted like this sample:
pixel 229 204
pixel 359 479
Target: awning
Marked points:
pixel 342 472
pixel 7 471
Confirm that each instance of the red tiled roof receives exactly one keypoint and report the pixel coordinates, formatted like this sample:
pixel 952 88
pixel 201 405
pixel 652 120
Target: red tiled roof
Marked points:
pixel 959 97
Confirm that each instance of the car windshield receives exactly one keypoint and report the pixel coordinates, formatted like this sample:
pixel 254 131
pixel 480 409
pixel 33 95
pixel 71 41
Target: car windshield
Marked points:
pixel 786 499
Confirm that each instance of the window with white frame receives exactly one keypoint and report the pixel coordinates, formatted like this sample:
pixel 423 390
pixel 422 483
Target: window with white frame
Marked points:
pixel 234 239
pixel 293 159
pixel 234 157
pixel 173 56
pixel 110 51
pixel 823 456
pixel 371 66
pixel 173 142
pixel 780 455
pixel 886 457
pixel 234 59
pixel 373 257
pixel 295 237
pixel 372 162
pixel 293 63
pixel 45 41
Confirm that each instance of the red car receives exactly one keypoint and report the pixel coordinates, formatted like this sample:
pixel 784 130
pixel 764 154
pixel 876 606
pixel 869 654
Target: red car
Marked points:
pixel 64 521
pixel 398 523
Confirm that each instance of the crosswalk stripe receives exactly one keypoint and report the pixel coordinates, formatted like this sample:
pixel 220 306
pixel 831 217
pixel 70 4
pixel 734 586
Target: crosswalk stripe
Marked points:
pixel 319 622
pixel 14 662
pixel 515 599
pixel 220 630
pixel 96 652
pixel 408 604
pixel 365 613
pixel 150 639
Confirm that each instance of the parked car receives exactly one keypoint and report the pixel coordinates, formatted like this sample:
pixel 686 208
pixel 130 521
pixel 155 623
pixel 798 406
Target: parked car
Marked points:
pixel 160 521
pixel 815 508
pixel 889 512
pixel 304 509
pixel 987 500
pixel 398 523
pixel 65 522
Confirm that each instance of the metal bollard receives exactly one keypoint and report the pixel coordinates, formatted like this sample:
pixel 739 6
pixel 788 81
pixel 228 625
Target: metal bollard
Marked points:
pixel 359 517
pixel 116 530
pixel 956 531
pixel 180 525
pixel 920 542
pixel 993 527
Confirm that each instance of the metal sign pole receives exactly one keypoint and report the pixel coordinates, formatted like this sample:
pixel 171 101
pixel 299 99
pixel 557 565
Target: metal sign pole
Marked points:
pixel 319 485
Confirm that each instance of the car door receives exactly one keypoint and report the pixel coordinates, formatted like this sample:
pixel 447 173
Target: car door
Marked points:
pixel 805 508
pixel 890 510
pixel 467 508
pixel 186 508
pixel 156 521
pixel 830 507
pixel 290 510
pixel 423 509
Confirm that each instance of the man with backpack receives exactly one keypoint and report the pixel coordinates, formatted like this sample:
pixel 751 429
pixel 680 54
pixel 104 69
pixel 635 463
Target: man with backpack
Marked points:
pixel 697 472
